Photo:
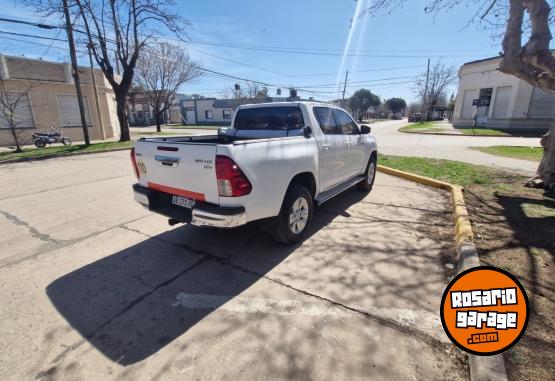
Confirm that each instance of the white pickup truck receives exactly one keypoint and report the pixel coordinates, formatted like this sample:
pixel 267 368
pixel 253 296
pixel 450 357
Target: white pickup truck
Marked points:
pixel 274 163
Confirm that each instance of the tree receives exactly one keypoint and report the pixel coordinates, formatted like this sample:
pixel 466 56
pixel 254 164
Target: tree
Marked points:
pixel 117 32
pixel 246 92
pixel 433 90
pixel 396 105
pixel 12 109
pixel 363 99
pixel 262 93
pixel 293 93
pixel 518 21
pixel 161 81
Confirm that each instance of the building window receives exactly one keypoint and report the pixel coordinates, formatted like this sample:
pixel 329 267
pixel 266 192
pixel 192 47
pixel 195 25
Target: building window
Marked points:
pixel 226 114
pixel 69 111
pixel 19 103
pixel 208 114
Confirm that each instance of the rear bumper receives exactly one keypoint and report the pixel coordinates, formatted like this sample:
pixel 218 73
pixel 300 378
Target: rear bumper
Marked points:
pixel 202 213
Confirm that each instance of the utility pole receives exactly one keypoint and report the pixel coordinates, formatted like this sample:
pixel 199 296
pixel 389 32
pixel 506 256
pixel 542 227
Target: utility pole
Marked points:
pixel 423 107
pixel 345 85
pixel 97 102
pixel 75 68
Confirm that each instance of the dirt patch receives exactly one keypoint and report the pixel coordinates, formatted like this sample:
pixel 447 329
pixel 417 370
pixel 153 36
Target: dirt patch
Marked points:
pixel 514 229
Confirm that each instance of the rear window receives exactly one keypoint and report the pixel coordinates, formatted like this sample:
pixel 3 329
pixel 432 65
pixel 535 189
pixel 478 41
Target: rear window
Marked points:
pixel 269 118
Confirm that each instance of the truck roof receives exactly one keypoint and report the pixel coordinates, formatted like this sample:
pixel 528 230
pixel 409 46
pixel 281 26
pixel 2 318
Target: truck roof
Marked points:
pixel 283 104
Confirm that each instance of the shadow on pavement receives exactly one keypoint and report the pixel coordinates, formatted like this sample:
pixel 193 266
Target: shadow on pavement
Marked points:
pixel 123 304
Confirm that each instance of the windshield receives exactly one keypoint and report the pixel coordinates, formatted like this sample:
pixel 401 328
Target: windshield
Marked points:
pixel 269 118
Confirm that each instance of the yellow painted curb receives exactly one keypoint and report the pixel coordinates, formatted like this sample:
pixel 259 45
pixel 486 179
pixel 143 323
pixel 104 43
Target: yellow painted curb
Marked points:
pixel 463 228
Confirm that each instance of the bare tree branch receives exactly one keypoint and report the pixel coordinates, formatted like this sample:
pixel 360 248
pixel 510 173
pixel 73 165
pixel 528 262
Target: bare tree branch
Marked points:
pixel 118 31
pixel 11 103
pixel 161 82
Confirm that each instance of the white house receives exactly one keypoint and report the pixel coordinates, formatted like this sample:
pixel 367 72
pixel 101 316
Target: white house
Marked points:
pixel 489 98
pixel 208 111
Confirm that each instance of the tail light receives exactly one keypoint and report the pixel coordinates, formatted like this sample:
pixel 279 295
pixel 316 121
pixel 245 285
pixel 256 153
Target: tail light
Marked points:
pixel 232 182
pixel 134 162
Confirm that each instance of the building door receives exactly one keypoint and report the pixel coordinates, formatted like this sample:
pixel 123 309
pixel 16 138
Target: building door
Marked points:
pixel 190 116
pixel 542 104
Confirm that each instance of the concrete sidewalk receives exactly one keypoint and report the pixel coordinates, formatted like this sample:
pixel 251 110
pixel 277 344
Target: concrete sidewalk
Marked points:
pixel 95 287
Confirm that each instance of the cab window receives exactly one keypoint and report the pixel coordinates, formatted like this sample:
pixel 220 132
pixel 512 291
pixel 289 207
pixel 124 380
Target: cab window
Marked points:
pixel 326 120
pixel 346 124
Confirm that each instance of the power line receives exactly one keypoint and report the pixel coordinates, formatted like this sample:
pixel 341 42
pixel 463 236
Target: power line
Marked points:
pixel 362 71
pixel 32 36
pixel 331 54
pixel 40 25
pixel 305 88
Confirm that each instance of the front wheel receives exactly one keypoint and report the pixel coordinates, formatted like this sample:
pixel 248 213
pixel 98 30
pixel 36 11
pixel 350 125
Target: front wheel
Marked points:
pixel 369 176
pixel 293 222
pixel 40 143
pixel 66 141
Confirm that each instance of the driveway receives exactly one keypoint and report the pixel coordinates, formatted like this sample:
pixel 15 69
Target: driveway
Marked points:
pixel 93 286
pixel 393 142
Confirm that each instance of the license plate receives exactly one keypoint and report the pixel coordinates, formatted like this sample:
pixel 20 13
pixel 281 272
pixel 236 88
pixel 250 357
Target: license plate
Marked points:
pixel 183 202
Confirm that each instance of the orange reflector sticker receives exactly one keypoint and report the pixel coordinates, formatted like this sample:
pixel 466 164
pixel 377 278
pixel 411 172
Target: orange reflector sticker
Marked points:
pixel 176 191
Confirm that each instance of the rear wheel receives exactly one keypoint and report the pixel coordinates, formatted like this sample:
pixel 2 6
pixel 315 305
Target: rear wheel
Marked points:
pixel 40 143
pixel 369 176
pixel 66 141
pixel 293 222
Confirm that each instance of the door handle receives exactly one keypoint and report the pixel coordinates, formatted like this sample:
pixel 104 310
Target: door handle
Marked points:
pixel 326 146
pixel 167 161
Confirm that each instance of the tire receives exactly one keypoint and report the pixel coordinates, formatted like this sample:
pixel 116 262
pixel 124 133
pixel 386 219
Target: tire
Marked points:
pixel 66 141
pixel 297 200
pixel 369 176
pixel 40 143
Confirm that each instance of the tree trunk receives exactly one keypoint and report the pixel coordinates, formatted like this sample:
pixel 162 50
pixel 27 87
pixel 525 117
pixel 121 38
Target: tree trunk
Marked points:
pixel 546 169
pixel 16 140
pixel 121 102
pixel 158 122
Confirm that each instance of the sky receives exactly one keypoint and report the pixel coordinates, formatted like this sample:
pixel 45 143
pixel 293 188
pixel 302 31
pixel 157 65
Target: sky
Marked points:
pixel 297 43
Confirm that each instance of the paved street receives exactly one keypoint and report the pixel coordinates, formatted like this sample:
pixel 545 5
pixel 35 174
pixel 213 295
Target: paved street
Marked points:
pixel 94 286
pixel 393 142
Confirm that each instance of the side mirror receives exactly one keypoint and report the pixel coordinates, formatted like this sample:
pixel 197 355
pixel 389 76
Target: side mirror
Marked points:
pixel 307 131
pixel 365 130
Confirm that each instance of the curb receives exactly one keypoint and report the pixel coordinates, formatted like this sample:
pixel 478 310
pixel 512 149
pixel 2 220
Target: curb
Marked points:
pixel 62 154
pixel 482 368
pixel 451 134
pixel 471 136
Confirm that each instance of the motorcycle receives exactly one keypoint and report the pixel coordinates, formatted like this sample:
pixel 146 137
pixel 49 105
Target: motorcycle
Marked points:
pixel 41 139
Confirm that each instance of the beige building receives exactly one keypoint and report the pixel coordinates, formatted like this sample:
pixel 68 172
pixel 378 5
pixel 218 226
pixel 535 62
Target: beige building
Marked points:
pixel 51 100
pixel 489 98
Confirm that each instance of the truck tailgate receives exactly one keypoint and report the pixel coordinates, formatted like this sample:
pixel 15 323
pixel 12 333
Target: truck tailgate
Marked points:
pixel 184 169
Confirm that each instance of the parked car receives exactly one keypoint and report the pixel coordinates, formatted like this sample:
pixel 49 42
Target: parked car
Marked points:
pixel 274 164
pixel 396 117
pixel 416 117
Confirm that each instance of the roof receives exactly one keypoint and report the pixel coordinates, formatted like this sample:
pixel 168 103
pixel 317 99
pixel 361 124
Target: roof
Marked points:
pixel 483 60
pixel 491 58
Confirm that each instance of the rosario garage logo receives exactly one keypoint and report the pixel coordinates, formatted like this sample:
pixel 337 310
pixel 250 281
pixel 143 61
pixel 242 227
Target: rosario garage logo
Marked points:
pixel 484 310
